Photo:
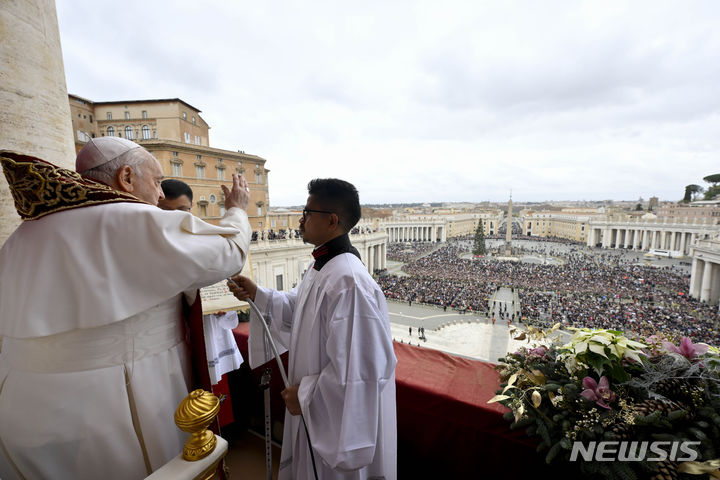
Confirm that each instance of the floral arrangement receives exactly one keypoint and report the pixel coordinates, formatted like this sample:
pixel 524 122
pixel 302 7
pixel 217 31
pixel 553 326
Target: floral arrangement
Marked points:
pixel 618 408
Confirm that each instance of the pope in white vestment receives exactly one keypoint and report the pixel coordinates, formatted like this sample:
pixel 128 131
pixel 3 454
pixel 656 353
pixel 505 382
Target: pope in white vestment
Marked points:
pixel 93 361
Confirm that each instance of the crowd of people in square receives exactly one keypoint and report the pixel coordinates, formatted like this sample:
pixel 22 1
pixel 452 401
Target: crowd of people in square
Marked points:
pixel 271 234
pixel 362 229
pixel 284 234
pixel 590 288
pixel 407 251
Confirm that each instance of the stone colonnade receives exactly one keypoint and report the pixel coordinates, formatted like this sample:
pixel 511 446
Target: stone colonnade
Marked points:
pixel 415 232
pixel 646 236
pixel 705 276
pixel 372 248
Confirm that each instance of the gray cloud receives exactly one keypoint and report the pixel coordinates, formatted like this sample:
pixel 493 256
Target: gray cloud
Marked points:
pixel 426 101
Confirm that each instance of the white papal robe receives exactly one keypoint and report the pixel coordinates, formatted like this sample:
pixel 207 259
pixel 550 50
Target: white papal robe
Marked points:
pixel 93 362
pixel 336 327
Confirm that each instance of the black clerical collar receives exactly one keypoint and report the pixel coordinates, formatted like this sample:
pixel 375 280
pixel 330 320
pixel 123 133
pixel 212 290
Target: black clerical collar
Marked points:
pixel 329 250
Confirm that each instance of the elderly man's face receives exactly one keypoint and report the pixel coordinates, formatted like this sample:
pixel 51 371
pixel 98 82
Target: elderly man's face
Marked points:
pixel 148 186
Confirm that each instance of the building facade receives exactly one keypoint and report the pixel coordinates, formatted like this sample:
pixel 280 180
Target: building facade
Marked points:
pixel 701 211
pixel 175 133
pixel 284 219
pixel 573 226
pixel 646 232
pixel 438 228
pixel 649 234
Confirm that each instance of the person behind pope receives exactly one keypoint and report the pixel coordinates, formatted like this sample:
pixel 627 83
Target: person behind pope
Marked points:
pixel 177 195
pixel 336 327
pixel 93 361
pixel 221 350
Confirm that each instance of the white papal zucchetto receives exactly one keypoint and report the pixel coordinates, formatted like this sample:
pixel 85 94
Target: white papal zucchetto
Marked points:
pixel 99 151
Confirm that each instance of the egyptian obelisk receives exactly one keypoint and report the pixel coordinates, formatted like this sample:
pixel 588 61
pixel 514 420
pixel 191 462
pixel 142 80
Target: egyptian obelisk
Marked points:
pixel 508 226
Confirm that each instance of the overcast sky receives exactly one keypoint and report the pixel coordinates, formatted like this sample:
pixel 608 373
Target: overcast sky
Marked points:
pixel 426 101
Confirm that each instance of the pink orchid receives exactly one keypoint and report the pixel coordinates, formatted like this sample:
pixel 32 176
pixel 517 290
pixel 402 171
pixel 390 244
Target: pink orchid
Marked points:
pixel 539 351
pixel 687 348
pixel 599 393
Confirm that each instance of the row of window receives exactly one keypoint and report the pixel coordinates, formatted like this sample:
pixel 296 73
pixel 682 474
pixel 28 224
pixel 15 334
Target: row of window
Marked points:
pixel 200 172
pixel 144 114
pixel 202 209
pixel 127 115
pixel 85 117
pixel 129 132
pixel 184 117
pixel 187 139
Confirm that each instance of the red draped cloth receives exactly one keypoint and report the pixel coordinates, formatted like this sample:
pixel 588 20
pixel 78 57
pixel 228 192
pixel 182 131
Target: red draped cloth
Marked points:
pixel 446 428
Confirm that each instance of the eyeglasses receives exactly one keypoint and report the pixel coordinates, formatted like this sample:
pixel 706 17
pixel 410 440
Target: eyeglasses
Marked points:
pixel 308 210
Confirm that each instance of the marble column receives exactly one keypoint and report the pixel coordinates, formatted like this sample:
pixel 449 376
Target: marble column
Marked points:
pixel 695 281
pixel 34 107
pixel 683 242
pixel 714 284
pixel 706 282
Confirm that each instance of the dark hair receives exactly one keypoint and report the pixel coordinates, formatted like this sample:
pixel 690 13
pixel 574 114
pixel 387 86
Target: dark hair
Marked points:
pixel 175 188
pixel 338 196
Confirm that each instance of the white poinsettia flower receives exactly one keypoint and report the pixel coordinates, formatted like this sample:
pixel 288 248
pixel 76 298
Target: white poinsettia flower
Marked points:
pixel 581 347
pixel 602 339
pixel 633 355
pixel 599 349
pixel 633 344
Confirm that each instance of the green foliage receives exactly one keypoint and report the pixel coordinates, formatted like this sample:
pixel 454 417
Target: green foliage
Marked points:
pixel 691 191
pixel 658 396
pixel 479 245
pixel 606 352
pixel 712 192
pixel 714 179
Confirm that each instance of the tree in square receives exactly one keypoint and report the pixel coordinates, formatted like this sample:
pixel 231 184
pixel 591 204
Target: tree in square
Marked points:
pixel 479 245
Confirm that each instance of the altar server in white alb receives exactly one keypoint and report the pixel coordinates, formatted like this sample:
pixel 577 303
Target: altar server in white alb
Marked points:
pixel 336 327
pixel 94 361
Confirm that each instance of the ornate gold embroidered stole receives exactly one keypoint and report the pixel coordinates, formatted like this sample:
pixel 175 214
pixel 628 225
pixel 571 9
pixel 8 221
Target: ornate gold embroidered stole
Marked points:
pixel 40 188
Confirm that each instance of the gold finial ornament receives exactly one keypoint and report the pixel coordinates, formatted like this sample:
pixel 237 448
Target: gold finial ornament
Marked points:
pixel 193 415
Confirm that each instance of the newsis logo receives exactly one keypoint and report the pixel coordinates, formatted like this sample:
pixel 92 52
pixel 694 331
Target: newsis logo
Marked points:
pixel 627 451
